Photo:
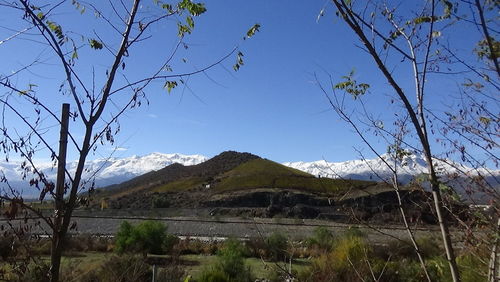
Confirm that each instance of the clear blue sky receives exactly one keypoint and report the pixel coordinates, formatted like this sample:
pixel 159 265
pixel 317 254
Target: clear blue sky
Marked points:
pixel 271 107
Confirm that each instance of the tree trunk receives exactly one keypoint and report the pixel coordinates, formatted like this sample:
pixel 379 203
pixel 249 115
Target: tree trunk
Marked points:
pixel 349 16
pixel 493 271
pixel 57 235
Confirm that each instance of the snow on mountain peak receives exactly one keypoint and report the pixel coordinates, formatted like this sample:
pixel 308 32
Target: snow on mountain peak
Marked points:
pixel 107 170
pixel 116 170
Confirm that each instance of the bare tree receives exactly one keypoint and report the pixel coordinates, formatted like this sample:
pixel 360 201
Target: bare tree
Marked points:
pixel 98 95
pixel 419 36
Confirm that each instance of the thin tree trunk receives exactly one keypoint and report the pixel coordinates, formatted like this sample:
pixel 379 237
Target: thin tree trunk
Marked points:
pixel 493 271
pixel 408 229
pixel 63 215
pixel 348 16
pixel 56 246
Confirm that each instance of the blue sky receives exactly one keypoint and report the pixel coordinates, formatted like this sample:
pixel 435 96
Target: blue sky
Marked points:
pixel 271 107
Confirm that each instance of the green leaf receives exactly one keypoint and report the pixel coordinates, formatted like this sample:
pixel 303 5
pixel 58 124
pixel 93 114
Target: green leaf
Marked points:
pixel 254 29
pixel 170 85
pixel 95 44
pixel 421 20
pixel 183 29
pixel 239 61
pixel 167 7
pixel 57 30
pixel 448 8
pixel 190 21
pixel 485 120
pixel 195 9
pixel 351 86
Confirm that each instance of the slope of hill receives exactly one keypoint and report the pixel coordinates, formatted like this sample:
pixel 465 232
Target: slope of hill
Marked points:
pixel 222 178
pixel 242 184
pixel 179 177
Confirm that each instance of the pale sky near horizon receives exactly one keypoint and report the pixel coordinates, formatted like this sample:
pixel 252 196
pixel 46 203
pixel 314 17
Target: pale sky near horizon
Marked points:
pixel 271 107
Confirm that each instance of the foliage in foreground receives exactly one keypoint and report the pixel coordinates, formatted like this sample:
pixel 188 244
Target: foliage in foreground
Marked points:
pixel 352 258
pixel 230 265
pixel 146 237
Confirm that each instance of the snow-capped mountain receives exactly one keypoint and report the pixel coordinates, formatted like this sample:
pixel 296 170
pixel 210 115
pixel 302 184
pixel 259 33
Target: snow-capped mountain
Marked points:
pixel 116 170
pixel 377 169
pixel 411 166
pixel 106 171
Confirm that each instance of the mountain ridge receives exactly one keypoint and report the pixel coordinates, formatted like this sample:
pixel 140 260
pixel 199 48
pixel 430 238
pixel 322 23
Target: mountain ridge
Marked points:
pixel 118 170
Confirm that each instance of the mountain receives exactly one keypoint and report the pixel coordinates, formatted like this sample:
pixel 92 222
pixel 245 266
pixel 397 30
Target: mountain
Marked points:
pixel 230 178
pixel 107 171
pixel 199 172
pixel 244 185
pixel 454 174
pixel 117 170
pixel 377 170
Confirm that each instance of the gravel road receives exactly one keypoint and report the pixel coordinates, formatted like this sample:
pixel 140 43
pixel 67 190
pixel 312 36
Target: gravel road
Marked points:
pixel 235 227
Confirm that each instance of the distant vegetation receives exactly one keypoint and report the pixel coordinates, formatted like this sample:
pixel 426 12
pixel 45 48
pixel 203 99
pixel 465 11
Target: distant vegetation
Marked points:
pixel 325 256
pixel 261 173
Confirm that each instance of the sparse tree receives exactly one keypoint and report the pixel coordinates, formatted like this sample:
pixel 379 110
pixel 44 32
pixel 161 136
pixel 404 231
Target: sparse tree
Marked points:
pixel 421 38
pixel 91 46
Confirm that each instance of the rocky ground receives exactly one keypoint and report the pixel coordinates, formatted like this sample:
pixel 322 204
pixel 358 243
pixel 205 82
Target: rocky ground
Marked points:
pixel 380 208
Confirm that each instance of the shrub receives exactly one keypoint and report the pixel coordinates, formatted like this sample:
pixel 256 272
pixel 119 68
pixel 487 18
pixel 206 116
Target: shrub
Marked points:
pixel 126 268
pixel 8 247
pixel 186 247
pixel 322 238
pixel 429 247
pixel 36 272
pixel 354 232
pixel 230 265
pixel 159 202
pixel 349 252
pixel 171 273
pixel 277 245
pixel 213 275
pixel 256 247
pixel 147 237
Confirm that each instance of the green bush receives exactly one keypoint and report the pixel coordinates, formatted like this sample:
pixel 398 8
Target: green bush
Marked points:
pixel 403 250
pixel 213 275
pixel 349 253
pixel 471 268
pixel 230 265
pixel 8 247
pixel 277 245
pixel 159 202
pixel 146 237
pixel 430 247
pixel 322 238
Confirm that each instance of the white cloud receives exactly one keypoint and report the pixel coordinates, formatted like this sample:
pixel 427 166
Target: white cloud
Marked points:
pixel 152 116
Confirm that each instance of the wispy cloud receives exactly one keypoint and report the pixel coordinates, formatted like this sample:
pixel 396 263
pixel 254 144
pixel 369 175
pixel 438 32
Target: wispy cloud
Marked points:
pixel 120 149
pixel 152 116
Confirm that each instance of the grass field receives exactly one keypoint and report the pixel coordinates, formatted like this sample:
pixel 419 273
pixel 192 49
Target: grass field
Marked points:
pixel 79 264
pixel 261 173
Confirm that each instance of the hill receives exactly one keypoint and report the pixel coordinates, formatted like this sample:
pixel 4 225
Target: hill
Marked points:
pixel 243 184
pixel 230 172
